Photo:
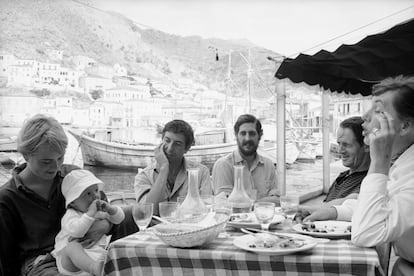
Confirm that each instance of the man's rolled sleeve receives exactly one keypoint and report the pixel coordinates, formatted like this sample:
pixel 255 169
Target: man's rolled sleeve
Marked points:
pixel 346 210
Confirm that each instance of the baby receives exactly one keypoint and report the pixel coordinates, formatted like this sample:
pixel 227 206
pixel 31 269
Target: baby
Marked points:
pixel 81 192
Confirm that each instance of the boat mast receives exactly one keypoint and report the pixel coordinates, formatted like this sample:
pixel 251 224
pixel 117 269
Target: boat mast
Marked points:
pixel 249 75
pixel 228 119
pixel 228 85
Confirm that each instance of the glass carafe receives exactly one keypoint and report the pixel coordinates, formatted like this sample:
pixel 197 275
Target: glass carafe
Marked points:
pixel 240 201
pixel 193 208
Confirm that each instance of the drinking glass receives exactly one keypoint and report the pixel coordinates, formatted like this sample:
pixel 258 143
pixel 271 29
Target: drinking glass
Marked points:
pixel 180 200
pixel 142 214
pixel 289 204
pixel 253 195
pixel 222 206
pixel 168 210
pixel 208 201
pixel 264 212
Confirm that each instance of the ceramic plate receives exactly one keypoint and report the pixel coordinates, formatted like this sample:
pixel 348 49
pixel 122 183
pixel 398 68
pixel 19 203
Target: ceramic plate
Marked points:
pixel 248 220
pixel 325 229
pixel 252 243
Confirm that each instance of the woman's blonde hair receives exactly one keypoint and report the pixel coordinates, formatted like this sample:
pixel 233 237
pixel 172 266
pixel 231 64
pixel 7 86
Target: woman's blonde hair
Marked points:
pixel 38 130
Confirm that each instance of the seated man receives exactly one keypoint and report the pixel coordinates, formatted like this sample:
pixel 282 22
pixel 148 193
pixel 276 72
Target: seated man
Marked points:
pixel 167 178
pixel 354 155
pixel 383 212
pixel 259 171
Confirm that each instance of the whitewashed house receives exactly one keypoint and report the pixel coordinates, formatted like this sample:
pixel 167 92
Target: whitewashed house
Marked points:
pixel 100 70
pixel 64 107
pixel 120 71
pixel 69 77
pixel 345 107
pixel 122 81
pixel 147 112
pixel 182 109
pixel 209 100
pixel 60 107
pixel 90 83
pixel 82 62
pixel 21 75
pixel 103 113
pixel 126 93
pixel 5 61
pixel 15 107
pixel 139 80
pixel 80 116
pixel 49 73
pixel 228 111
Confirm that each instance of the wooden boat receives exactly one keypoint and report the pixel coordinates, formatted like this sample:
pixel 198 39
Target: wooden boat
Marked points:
pixel 269 150
pixel 8 144
pixel 124 156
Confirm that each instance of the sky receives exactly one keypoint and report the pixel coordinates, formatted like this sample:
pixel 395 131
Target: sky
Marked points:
pixel 287 27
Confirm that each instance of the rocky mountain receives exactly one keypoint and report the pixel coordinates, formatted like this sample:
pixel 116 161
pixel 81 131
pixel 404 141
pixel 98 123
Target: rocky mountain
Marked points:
pixel 29 27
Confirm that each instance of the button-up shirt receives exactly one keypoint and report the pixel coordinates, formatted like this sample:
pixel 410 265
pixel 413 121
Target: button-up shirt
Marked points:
pixel 261 176
pixel 147 177
pixel 384 209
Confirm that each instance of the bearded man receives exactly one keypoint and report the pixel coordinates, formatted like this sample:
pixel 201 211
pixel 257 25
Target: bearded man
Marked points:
pixel 259 172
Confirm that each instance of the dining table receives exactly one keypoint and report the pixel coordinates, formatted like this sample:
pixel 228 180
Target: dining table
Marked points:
pixel 143 253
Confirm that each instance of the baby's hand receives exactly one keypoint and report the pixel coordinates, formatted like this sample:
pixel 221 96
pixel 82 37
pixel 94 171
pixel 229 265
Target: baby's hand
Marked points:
pixel 106 207
pixel 93 208
pixel 101 215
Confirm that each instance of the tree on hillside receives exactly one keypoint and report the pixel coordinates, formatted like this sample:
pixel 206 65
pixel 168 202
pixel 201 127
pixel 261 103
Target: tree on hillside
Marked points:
pixel 96 94
pixel 41 93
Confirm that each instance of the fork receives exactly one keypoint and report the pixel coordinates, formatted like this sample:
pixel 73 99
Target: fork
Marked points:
pixel 283 236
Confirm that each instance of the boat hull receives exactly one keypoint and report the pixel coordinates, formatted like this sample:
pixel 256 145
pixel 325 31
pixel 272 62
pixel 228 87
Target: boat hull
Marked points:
pixel 116 155
pixel 8 144
pixel 270 151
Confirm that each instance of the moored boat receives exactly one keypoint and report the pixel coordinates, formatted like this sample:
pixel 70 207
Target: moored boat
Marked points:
pixel 8 143
pixel 269 150
pixel 124 156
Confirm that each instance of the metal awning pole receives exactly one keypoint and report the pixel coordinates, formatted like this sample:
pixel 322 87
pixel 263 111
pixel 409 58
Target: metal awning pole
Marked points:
pixel 325 140
pixel 281 135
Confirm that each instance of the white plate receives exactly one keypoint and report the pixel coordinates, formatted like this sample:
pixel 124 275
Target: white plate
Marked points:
pixel 243 242
pixel 248 220
pixel 335 229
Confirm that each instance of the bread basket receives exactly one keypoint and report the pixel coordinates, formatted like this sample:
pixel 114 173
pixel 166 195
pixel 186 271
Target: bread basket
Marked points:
pixel 190 235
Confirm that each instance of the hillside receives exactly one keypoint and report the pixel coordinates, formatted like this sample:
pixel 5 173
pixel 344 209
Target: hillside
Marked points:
pixel 29 27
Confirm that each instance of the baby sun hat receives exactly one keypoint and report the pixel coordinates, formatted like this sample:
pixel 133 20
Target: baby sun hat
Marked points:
pixel 76 182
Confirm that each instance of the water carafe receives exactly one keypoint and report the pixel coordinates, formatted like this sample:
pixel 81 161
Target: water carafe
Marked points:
pixel 193 208
pixel 240 201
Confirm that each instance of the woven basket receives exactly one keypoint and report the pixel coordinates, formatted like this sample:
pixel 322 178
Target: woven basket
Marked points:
pixel 186 235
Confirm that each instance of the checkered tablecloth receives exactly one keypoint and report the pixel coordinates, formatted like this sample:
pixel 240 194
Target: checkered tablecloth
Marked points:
pixel 145 254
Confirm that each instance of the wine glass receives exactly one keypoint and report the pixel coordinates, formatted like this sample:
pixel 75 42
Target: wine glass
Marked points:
pixel 264 212
pixel 142 214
